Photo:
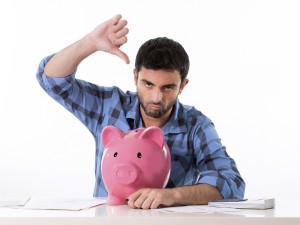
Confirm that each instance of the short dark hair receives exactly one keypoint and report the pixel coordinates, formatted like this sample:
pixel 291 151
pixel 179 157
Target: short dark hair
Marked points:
pixel 163 54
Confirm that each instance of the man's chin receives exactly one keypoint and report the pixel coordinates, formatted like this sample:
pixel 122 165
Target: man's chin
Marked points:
pixel 154 114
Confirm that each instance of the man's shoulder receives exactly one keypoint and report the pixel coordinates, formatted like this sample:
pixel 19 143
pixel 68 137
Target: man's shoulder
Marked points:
pixel 125 98
pixel 117 91
pixel 194 116
pixel 191 111
pixel 113 94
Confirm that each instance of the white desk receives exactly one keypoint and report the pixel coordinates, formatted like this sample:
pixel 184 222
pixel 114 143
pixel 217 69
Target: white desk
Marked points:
pixel 286 212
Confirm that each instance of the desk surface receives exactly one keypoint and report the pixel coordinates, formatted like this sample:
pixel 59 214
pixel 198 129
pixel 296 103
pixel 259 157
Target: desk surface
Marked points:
pixel 285 212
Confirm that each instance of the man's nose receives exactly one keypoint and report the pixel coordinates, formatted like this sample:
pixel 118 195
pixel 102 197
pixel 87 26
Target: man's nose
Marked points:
pixel 156 96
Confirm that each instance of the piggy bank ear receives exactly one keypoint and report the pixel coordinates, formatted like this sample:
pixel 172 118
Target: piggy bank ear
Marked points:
pixel 155 134
pixel 110 133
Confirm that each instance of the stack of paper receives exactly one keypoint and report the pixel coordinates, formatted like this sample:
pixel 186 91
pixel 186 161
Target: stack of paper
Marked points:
pixel 51 203
pixel 196 209
pixel 13 201
pixel 263 203
pixel 63 203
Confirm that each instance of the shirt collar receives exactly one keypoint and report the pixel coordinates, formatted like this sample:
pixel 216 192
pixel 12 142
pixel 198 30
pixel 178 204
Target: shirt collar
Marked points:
pixel 177 122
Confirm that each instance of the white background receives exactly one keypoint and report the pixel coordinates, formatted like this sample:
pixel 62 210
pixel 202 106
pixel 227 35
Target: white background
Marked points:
pixel 244 75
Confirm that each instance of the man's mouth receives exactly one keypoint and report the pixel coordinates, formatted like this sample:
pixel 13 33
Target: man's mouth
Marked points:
pixel 154 107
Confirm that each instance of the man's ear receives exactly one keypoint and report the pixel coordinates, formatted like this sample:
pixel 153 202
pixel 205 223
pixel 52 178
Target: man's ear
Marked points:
pixel 135 76
pixel 182 85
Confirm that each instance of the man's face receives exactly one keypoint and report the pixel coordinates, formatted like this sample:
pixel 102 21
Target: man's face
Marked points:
pixel 158 90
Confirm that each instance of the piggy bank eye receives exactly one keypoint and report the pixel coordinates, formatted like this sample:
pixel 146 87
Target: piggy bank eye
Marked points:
pixel 115 155
pixel 139 155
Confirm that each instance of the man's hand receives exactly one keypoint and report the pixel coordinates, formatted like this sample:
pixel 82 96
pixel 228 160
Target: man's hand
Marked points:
pixel 150 198
pixel 110 36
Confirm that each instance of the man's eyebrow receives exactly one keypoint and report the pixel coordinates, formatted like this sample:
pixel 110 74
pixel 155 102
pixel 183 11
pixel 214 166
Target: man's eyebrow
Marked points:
pixel 166 85
pixel 146 81
pixel 170 85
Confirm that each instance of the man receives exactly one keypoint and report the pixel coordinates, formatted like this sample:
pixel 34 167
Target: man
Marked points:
pixel 201 169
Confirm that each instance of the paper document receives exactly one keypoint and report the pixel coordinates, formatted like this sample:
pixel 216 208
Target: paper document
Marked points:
pixel 12 201
pixel 262 203
pixel 196 209
pixel 63 203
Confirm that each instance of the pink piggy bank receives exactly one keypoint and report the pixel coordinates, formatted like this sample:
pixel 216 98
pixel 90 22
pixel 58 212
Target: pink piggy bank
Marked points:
pixel 133 160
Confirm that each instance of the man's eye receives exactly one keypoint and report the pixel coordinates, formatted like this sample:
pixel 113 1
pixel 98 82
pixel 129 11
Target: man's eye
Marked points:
pixel 148 85
pixel 168 88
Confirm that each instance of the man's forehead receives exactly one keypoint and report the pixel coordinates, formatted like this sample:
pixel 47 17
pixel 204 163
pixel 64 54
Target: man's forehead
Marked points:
pixel 159 76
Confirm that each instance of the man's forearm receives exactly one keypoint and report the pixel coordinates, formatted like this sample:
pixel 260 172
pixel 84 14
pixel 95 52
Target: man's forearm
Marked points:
pixel 151 198
pixel 67 60
pixel 199 194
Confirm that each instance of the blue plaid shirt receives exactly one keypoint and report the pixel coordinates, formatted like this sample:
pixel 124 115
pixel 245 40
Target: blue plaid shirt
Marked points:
pixel 196 150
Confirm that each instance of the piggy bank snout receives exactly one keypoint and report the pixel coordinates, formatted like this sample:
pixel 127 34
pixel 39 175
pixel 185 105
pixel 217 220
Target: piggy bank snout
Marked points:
pixel 125 173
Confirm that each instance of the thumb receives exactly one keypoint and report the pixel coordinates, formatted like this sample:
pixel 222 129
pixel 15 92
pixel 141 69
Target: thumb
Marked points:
pixel 121 54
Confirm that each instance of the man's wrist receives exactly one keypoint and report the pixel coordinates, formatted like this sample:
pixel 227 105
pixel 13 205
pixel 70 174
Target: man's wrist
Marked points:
pixel 177 195
pixel 87 46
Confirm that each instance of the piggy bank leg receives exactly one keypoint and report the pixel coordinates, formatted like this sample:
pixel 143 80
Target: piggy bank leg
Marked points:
pixel 113 200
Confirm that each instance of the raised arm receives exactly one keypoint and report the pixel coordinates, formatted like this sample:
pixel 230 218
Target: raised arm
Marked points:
pixel 107 37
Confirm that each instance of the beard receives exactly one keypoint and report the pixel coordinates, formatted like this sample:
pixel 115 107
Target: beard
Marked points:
pixel 164 108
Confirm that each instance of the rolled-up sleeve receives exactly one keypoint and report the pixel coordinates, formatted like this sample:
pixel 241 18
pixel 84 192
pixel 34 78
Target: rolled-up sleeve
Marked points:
pixel 77 96
pixel 53 86
pixel 217 168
